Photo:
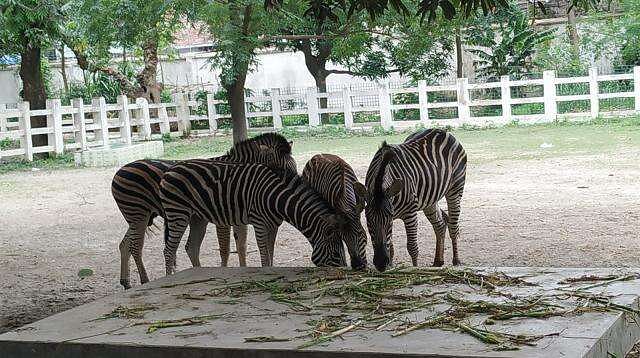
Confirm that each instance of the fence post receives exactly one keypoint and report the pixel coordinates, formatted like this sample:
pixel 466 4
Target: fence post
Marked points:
pixel 211 113
pixel 386 118
pixel 275 108
pixel 312 107
pixel 182 112
pixel 423 99
pixel 100 107
pixel 54 121
pixel 550 104
pixel 25 123
pixel 125 119
pixel 79 125
pixel 636 87
pixel 144 118
pixel 462 92
pixel 346 100
pixel 3 119
pixel 163 116
pixel 593 92
pixel 505 97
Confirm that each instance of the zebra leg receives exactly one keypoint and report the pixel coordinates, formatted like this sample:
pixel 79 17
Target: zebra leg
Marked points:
pixel 453 219
pixel 272 244
pixel 411 229
pixel 224 236
pixel 174 228
pixel 434 215
pixel 265 236
pixel 240 236
pixel 197 229
pixel 136 243
pixel 125 255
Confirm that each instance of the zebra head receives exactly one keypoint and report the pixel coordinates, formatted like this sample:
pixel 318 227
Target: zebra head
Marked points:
pixel 338 229
pixel 379 207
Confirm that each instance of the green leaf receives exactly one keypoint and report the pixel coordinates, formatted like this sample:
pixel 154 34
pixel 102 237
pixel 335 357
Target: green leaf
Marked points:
pixel 85 272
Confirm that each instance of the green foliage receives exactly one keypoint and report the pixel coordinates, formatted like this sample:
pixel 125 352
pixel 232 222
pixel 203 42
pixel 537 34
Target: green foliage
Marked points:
pixel 97 85
pixel 47 76
pixel 28 22
pixel 238 29
pixel 510 40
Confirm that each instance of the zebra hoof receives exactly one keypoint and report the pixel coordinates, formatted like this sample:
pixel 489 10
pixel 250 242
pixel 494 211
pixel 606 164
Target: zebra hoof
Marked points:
pixel 438 263
pixel 125 283
pixel 457 263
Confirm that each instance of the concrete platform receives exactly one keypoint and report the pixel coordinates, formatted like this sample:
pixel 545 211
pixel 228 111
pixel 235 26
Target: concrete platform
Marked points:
pixel 118 154
pixel 228 312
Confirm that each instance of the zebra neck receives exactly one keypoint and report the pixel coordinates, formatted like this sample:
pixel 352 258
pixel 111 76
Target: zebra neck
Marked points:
pixel 303 208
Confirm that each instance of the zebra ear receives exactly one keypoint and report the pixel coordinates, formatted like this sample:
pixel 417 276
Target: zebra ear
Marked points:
pixel 394 188
pixel 361 196
pixel 290 144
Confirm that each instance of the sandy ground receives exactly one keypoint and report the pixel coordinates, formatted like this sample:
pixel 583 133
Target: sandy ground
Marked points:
pixel 569 211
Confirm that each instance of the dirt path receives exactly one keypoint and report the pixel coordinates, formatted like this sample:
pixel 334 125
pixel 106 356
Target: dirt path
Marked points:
pixel 571 211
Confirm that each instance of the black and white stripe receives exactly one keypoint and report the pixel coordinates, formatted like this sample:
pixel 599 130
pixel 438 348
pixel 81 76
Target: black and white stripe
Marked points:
pixel 413 176
pixel 135 188
pixel 235 194
pixel 335 180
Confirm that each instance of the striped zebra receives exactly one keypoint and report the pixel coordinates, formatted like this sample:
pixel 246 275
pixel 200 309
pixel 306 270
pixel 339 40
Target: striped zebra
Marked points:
pixel 335 180
pixel 135 188
pixel 233 194
pixel 403 179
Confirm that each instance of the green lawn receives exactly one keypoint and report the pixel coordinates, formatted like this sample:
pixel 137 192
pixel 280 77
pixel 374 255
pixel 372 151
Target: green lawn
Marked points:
pixel 483 145
pixel 511 142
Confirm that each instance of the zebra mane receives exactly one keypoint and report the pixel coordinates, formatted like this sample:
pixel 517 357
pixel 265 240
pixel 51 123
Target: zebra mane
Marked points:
pixel 273 140
pixel 388 155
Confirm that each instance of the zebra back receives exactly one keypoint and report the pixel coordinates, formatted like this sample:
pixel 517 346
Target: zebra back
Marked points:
pixel 135 186
pixel 270 149
pixel 336 181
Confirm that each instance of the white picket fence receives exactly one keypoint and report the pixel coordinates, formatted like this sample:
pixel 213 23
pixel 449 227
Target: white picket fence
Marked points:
pixel 80 126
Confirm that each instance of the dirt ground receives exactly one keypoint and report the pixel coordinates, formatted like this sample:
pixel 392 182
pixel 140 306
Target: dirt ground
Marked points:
pixel 569 211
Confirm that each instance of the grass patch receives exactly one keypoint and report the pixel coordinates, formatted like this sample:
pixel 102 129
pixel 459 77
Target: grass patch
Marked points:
pixel 512 142
pixel 19 164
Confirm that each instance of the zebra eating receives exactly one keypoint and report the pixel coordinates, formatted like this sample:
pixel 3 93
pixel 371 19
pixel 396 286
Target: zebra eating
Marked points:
pixel 135 188
pixel 413 176
pixel 228 194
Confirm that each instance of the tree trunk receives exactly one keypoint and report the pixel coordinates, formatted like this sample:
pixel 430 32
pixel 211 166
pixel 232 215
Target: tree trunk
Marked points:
pixel 63 69
pixel 33 87
pixel 320 77
pixel 459 63
pixel 572 29
pixel 148 77
pixel 235 92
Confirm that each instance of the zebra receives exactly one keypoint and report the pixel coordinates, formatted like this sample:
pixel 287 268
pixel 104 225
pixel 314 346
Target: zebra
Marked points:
pixel 135 188
pixel 335 180
pixel 412 176
pixel 227 194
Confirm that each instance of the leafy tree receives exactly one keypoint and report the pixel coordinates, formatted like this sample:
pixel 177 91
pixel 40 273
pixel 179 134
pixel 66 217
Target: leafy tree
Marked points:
pixel 238 29
pixel 96 26
pixel 507 42
pixel 366 47
pixel 27 27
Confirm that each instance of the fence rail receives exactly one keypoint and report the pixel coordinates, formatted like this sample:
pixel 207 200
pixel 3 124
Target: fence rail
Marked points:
pixel 80 126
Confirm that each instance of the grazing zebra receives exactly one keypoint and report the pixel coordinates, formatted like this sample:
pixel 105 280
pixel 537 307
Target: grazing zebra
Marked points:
pixel 336 181
pixel 233 194
pixel 412 176
pixel 135 188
